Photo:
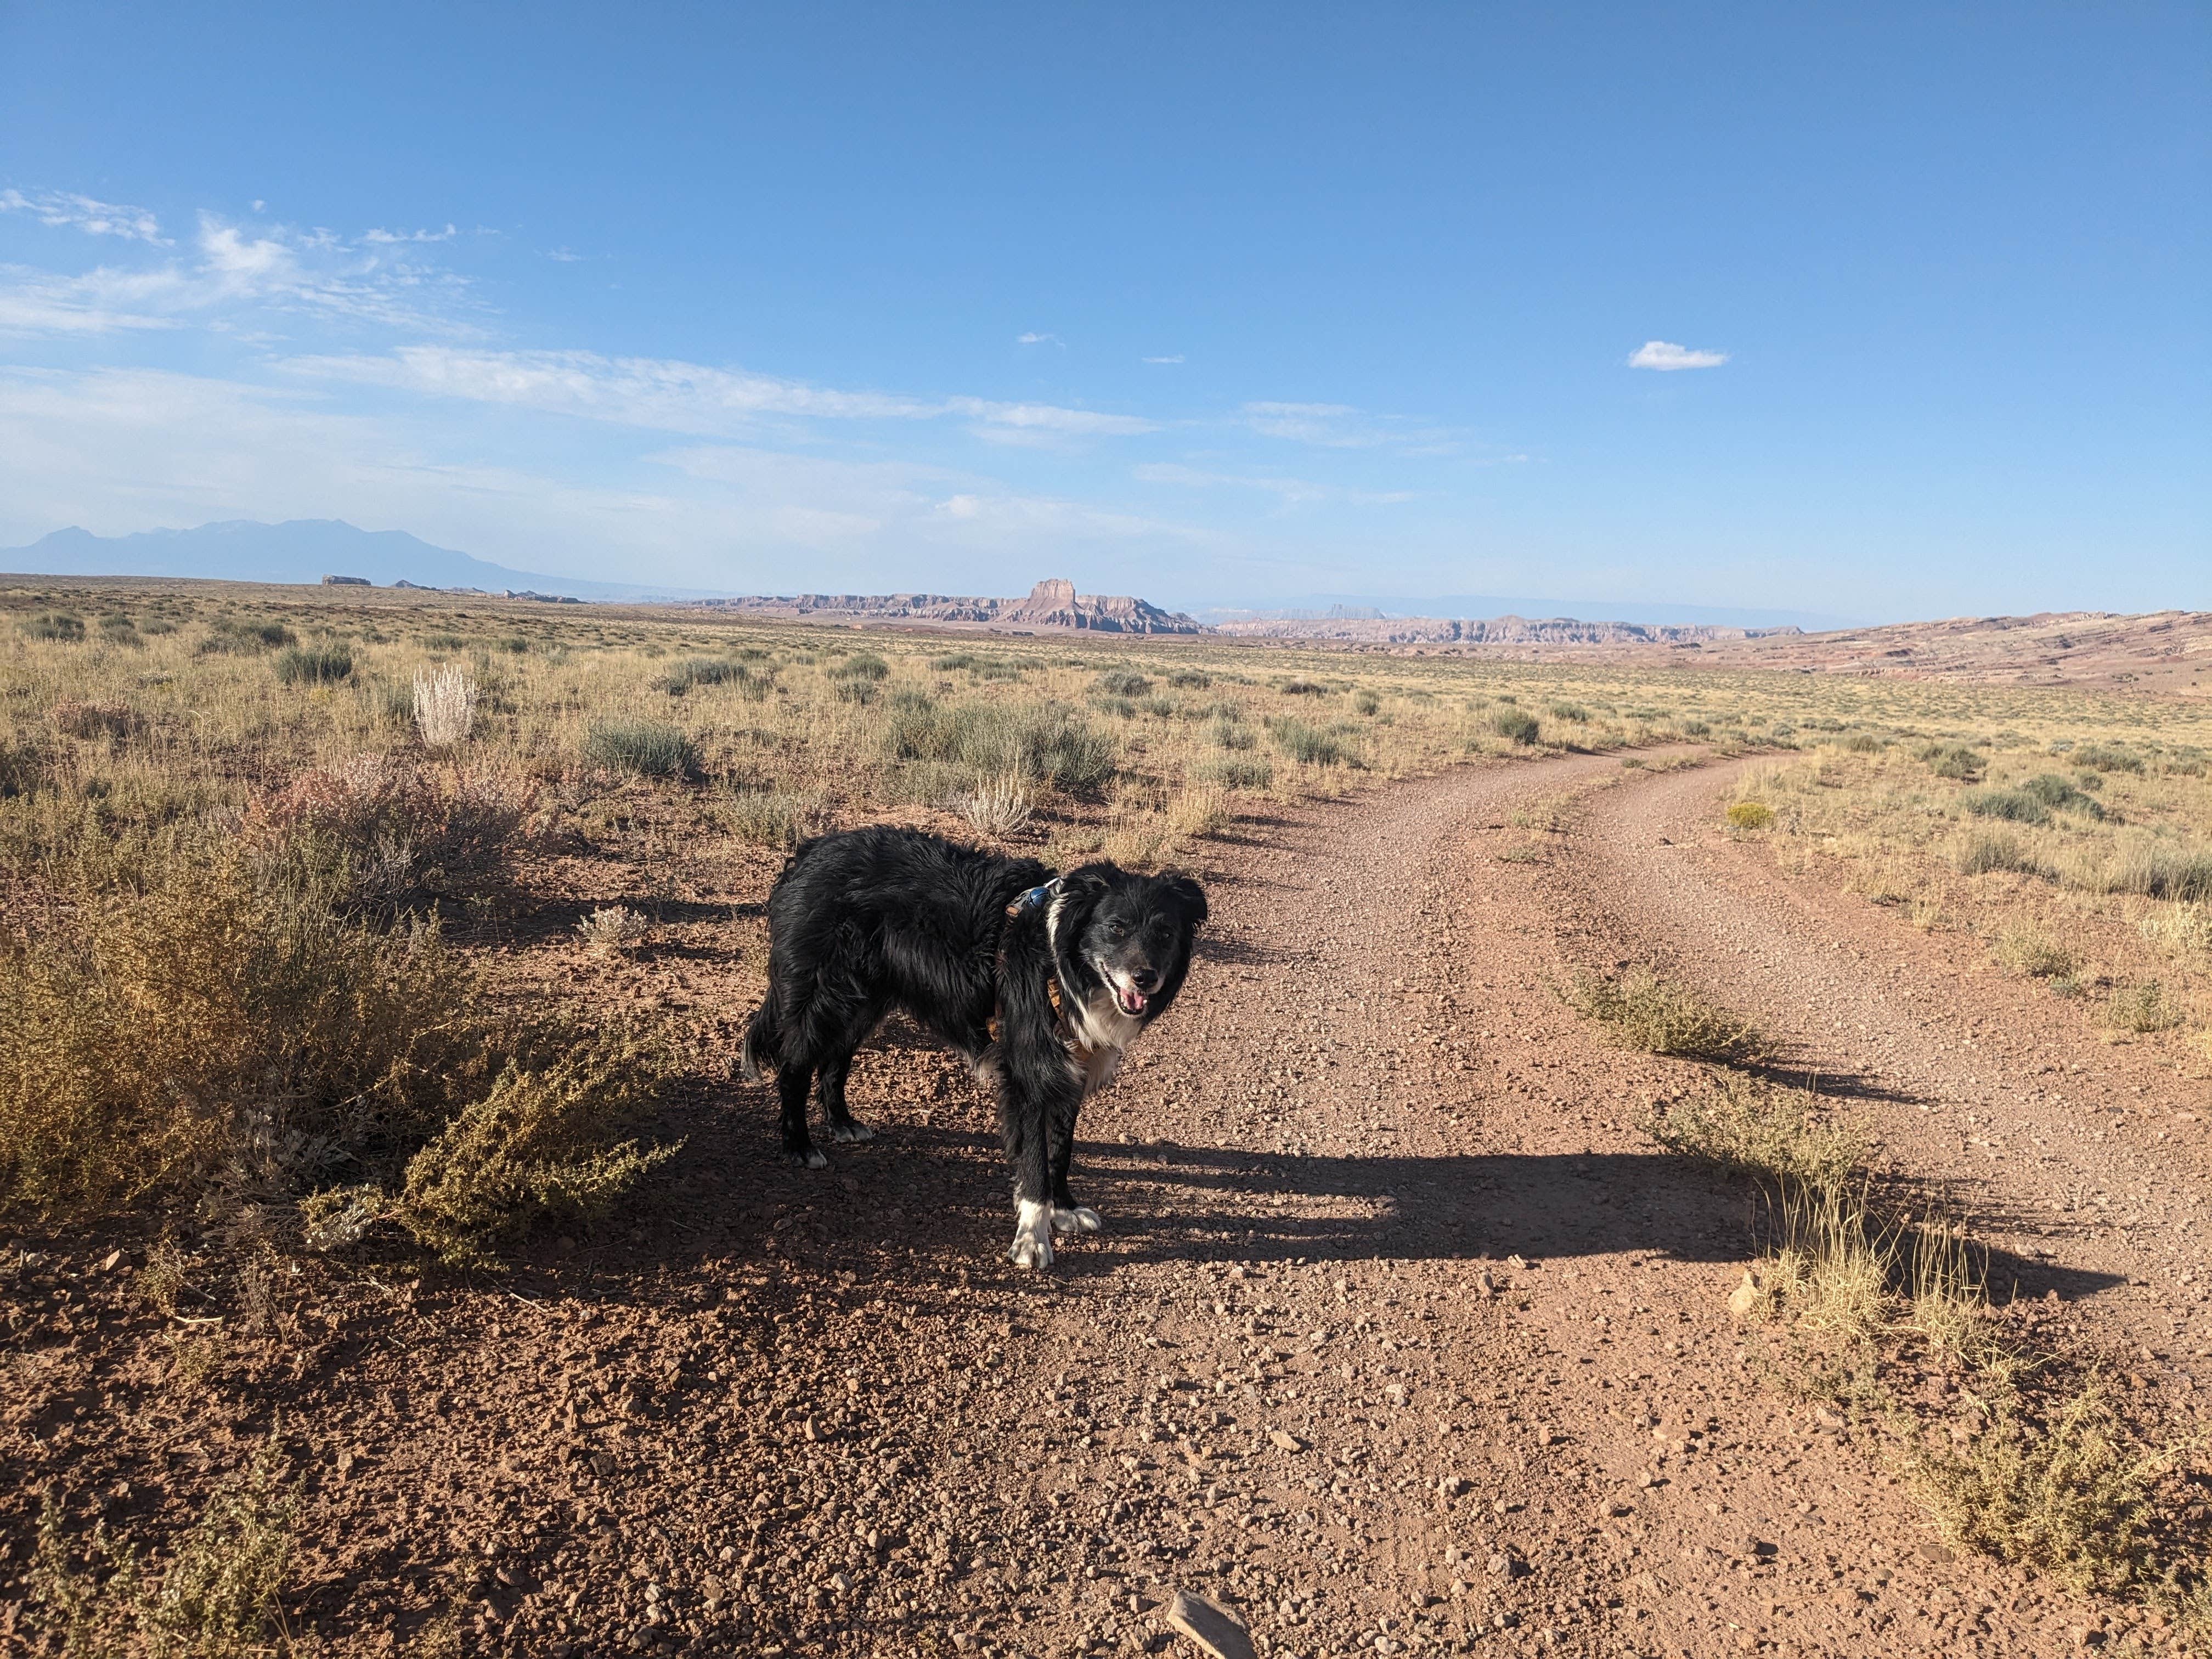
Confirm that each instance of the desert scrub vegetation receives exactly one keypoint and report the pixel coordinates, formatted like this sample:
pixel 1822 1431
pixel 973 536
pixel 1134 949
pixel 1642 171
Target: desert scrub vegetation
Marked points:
pixel 280 1049
pixel 2020 827
pixel 2016 1447
pixel 1640 1010
pixel 214 1596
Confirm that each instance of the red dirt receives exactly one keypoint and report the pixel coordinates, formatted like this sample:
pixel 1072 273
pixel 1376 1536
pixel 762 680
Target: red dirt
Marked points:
pixel 1371 1190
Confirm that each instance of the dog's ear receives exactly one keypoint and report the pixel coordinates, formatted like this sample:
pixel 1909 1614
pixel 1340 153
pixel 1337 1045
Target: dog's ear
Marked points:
pixel 1088 883
pixel 1188 894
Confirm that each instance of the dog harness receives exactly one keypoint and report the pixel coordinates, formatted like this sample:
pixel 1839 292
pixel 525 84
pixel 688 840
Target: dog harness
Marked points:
pixel 1036 897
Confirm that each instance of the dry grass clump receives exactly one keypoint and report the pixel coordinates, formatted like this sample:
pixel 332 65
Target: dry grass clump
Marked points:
pixel 216 1598
pixel 116 720
pixel 645 749
pixel 1750 815
pixel 999 807
pixel 2025 949
pixel 771 817
pixel 1309 744
pixel 445 706
pixel 1982 852
pixel 314 665
pixel 1640 1010
pixel 1765 1131
pixel 1515 725
pixel 2147 1006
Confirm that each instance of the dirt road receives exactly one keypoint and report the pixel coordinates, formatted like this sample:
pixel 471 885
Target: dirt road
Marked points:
pixel 1401 1337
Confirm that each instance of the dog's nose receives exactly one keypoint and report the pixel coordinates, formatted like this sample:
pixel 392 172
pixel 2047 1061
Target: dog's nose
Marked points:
pixel 1146 980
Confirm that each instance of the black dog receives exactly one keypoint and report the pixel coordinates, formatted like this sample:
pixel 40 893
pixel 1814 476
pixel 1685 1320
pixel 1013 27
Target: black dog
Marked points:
pixel 1040 980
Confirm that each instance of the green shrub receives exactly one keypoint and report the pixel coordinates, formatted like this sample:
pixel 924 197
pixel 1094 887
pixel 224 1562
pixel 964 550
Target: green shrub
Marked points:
pixel 1751 815
pixel 2107 757
pixel 1120 707
pixel 229 636
pixel 774 818
pixel 56 625
pixel 1987 850
pixel 1768 1132
pixel 1230 732
pixel 1640 1010
pixel 314 665
pixel 1304 688
pixel 1123 682
pixel 1235 772
pixel 2061 796
pixel 2016 805
pixel 2024 950
pixel 1307 744
pixel 861 665
pixel 1514 724
pixel 120 630
pixel 1951 760
pixel 692 671
pixel 216 1599
pixel 1190 679
pixel 1568 711
pixel 1862 743
pixel 541 1141
pixel 646 749
pixel 1048 742
pixel 444 642
pixel 1694 729
pixel 2145 1008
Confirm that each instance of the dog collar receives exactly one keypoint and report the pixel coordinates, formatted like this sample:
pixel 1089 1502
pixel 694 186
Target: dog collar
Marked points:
pixel 1034 897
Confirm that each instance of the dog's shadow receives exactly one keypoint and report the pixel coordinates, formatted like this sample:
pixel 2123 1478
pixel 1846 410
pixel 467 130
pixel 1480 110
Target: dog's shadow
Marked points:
pixel 1167 1202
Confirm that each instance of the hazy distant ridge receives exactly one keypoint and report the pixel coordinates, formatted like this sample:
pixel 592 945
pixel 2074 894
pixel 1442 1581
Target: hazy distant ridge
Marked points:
pixel 298 551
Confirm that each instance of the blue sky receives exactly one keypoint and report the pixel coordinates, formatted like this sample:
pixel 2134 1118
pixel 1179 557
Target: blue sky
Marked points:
pixel 1208 304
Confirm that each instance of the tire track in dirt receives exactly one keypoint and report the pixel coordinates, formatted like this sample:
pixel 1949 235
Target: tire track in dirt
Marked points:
pixel 2087 1163
pixel 1401 1337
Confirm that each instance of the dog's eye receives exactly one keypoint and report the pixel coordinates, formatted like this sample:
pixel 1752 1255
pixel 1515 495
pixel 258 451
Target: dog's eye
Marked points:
pixel 1116 932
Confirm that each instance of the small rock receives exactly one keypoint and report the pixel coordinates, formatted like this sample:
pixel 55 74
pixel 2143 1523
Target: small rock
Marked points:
pixel 1215 1629
pixel 1517 1263
pixel 1286 1441
pixel 107 1266
pixel 1932 1551
pixel 1743 1301
pixel 1451 1486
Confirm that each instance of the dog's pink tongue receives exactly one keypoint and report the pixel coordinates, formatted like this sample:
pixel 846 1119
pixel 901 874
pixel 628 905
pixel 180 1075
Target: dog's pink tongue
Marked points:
pixel 1133 1000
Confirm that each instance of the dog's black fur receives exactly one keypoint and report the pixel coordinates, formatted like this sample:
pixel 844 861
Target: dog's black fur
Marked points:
pixel 1039 990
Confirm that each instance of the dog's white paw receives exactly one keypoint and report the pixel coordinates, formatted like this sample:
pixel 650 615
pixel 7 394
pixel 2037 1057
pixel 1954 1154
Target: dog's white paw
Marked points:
pixel 852 1129
pixel 1032 1245
pixel 1080 1219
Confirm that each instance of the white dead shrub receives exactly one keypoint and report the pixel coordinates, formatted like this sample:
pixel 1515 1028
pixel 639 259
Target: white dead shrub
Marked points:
pixel 613 928
pixel 445 706
pixel 999 807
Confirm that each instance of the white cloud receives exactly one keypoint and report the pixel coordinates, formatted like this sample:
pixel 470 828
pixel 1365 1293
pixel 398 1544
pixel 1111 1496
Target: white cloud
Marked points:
pixel 63 210
pixel 1039 339
pixel 1175 359
pixel 673 396
pixel 387 236
pixel 562 256
pixel 1294 492
pixel 1666 355
pixel 230 270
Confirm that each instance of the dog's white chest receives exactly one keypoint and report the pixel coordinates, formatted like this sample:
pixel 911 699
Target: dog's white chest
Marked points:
pixel 1100 1031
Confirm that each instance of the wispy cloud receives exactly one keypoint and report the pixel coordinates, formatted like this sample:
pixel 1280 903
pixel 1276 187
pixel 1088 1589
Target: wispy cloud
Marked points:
pixel 231 270
pixel 1294 492
pixel 672 396
pixel 1175 359
pixel 65 210
pixel 1039 339
pixel 388 236
pixel 562 256
pixel 1666 355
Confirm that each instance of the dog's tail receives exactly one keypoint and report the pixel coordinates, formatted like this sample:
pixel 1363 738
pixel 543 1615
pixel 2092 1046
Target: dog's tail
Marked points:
pixel 763 1045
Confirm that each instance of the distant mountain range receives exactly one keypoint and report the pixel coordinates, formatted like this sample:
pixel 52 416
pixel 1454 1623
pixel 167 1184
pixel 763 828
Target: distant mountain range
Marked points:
pixel 300 550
